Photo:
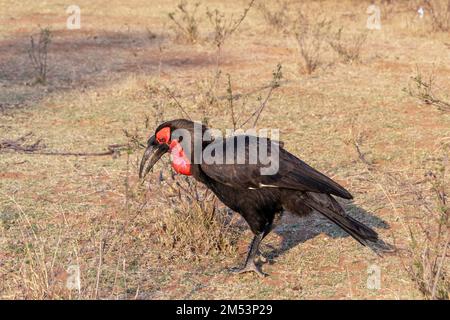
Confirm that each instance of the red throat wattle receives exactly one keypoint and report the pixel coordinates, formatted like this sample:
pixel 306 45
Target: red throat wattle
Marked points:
pixel 180 163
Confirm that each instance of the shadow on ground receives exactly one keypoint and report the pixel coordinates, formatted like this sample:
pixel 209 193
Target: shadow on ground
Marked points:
pixel 295 230
pixel 90 58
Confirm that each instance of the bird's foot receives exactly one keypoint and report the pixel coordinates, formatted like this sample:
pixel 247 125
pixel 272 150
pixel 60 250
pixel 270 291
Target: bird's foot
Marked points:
pixel 250 267
pixel 261 258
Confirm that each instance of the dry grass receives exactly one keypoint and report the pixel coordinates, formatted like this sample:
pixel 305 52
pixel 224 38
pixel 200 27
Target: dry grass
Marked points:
pixel 192 225
pixel 133 240
pixel 430 239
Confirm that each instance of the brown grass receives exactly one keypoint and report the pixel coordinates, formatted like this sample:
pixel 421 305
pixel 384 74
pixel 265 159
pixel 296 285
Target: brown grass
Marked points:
pixel 191 223
pixel 152 241
pixel 427 256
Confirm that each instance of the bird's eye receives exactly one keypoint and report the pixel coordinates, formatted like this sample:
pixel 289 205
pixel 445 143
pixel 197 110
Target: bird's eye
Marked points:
pixel 163 135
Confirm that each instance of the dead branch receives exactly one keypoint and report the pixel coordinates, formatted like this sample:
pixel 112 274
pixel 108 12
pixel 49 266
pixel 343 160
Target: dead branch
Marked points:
pixel 423 90
pixel 224 27
pixel 20 146
pixel 362 155
pixel 171 95
pixel 277 75
pixel 230 102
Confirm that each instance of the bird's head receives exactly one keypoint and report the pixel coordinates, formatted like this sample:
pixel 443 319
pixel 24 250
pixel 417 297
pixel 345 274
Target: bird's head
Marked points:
pixel 176 137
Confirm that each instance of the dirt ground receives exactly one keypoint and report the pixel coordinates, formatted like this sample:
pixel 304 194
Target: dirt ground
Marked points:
pixel 62 211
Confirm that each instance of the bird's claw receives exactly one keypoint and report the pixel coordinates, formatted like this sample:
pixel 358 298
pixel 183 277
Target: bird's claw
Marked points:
pixel 250 267
pixel 261 258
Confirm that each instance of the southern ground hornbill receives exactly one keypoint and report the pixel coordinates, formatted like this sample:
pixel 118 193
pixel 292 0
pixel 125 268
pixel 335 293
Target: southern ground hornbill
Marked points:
pixel 240 185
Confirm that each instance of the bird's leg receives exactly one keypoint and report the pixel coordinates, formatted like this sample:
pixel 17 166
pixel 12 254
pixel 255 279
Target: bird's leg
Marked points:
pixel 250 265
pixel 258 254
pixel 269 227
pixel 260 257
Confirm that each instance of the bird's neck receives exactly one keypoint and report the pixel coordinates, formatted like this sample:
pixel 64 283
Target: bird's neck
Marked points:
pixel 183 160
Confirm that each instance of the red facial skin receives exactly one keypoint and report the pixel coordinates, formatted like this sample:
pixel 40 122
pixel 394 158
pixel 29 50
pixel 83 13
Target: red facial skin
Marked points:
pixel 180 163
pixel 163 136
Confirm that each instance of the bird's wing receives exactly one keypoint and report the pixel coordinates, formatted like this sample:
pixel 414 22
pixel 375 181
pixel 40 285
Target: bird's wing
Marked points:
pixel 292 173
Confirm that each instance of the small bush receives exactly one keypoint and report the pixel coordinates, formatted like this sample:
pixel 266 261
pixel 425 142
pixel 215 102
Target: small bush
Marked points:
pixel 186 22
pixel 423 88
pixel 224 26
pixel 440 14
pixel 429 240
pixel 311 40
pixel 349 50
pixel 276 16
pixel 38 54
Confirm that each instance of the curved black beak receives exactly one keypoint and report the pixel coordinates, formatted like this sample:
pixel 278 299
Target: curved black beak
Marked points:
pixel 151 156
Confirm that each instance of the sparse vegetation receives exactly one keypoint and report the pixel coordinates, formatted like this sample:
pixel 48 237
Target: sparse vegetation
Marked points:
pixel 276 15
pixel 430 238
pixel 223 26
pixel 423 89
pixel 277 75
pixel 186 22
pixel 38 54
pixel 63 207
pixel 191 223
pixel 311 39
pixel 440 14
pixel 348 49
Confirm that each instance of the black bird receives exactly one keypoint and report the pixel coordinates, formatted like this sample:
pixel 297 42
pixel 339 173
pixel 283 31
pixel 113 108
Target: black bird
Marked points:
pixel 241 186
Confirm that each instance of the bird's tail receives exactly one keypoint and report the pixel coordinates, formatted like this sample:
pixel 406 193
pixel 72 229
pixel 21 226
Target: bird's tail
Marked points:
pixel 331 209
